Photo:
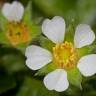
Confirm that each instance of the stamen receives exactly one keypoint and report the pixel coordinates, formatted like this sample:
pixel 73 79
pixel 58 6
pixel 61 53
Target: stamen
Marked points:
pixel 18 33
pixel 65 55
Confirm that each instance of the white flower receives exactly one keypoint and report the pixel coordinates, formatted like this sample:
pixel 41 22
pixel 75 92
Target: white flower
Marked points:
pixel 13 12
pixel 38 57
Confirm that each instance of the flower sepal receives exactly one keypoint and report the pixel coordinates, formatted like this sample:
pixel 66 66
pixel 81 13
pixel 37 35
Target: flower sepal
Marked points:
pixel 46 69
pixel 3 22
pixel 3 29
pixel 28 13
pixel 75 77
pixel 46 43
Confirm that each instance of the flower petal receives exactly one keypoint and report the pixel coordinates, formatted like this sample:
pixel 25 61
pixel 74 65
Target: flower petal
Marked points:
pixel 83 36
pixel 18 11
pixel 56 80
pixel 37 57
pixel 6 11
pixel 54 29
pixel 87 65
pixel 14 11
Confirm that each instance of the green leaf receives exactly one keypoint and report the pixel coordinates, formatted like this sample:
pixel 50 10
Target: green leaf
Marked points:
pixel 22 47
pixel 33 87
pixel 86 11
pixel 90 93
pixel 46 43
pixel 13 62
pixel 55 7
pixel 73 91
pixel 7 82
pixel 74 77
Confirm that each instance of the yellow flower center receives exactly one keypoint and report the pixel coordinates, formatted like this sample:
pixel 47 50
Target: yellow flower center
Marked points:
pixel 18 33
pixel 65 55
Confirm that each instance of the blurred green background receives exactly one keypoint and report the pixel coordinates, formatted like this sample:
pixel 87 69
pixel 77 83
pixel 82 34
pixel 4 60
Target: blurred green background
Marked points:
pixel 18 80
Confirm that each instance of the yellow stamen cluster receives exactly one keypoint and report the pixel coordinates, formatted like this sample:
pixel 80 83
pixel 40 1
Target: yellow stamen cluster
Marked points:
pixel 65 55
pixel 18 33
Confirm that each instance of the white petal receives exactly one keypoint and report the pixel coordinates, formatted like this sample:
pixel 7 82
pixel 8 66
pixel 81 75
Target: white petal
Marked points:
pixel 37 57
pixel 56 80
pixel 87 65
pixel 17 11
pixel 54 29
pixel 83 36
pixel 14 11
pixel 6 11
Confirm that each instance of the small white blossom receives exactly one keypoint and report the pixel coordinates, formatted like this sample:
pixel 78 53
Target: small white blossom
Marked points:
pixel 38 57
pixel 13 12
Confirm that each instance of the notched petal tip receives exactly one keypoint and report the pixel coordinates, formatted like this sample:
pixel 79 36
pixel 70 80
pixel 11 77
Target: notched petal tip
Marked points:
pixel 87 65
pixel 37 57
pixel 54 29
pixel 83 36
pixel 14 11
pixel 56 80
